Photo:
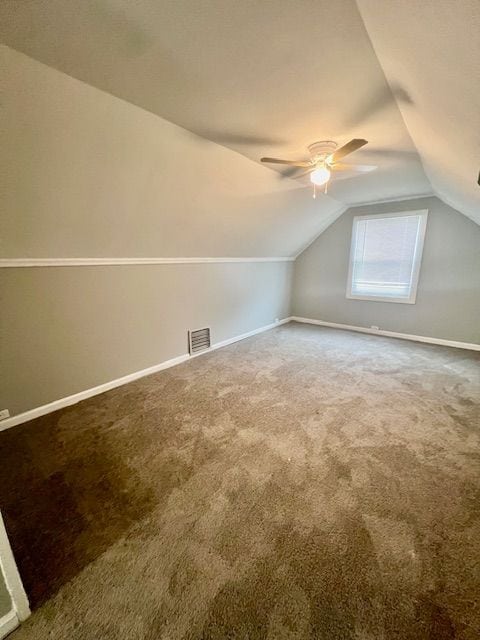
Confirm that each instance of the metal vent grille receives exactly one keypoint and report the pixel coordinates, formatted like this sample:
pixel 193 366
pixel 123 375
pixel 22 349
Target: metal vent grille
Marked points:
pixel 198 340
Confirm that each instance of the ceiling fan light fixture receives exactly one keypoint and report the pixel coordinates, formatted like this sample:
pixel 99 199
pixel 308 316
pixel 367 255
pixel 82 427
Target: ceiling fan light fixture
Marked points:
pixel 320 176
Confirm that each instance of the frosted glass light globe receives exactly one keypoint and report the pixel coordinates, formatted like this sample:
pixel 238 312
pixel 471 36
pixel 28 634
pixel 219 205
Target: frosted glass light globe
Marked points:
pixel 320 176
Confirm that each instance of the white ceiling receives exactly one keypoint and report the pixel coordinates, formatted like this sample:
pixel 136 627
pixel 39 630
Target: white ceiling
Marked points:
pixel 431 49
pixel 269 78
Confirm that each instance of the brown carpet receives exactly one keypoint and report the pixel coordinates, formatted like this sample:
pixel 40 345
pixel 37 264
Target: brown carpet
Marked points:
pixel 304 483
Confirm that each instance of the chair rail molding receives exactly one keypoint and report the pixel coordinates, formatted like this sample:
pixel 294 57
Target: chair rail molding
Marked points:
pixel 98 262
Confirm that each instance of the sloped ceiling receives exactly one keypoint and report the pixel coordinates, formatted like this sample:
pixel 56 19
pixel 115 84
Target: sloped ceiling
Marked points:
pixel 260 78
pixel 88 175
pixel 263 78
pixel 85 174
pixel 431 49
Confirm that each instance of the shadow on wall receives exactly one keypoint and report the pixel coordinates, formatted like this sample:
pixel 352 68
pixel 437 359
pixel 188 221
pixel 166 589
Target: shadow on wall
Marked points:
pixel 67 495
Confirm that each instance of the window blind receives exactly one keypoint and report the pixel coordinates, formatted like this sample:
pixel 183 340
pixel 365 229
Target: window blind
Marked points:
pixel 385 256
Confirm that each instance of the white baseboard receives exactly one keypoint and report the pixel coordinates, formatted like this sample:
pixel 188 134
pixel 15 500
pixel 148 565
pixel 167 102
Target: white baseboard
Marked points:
pixel 88 393
pixel 225 343
pixel 391 334
pixel 8 623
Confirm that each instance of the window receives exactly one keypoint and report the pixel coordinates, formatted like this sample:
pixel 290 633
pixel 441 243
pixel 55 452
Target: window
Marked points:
pixel 385 256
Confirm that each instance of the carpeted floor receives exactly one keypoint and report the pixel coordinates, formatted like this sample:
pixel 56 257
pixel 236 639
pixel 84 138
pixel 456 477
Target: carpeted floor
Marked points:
pixel 304 483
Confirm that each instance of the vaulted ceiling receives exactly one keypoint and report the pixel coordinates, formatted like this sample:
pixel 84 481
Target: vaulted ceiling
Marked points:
pixel 269 78
pixel 431 50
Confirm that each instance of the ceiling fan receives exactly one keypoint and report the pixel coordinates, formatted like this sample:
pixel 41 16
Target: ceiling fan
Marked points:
pixel 324 160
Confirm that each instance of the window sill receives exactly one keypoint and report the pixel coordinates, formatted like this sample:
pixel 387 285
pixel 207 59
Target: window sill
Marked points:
pixel 381 299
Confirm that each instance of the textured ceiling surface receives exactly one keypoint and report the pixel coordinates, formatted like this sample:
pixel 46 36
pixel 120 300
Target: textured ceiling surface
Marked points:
pixel 431 49
pixel 269 78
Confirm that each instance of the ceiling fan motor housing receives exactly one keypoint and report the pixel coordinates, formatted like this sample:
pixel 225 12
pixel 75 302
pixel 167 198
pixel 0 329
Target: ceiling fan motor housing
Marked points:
pixel 323 149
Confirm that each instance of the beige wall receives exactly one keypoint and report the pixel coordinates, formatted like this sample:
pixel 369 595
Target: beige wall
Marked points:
pixel 448 296
pixel 86 174
pixel 66 329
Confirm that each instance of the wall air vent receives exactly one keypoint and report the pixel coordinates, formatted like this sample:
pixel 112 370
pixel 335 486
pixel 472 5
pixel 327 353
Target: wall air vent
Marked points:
pixel 198 340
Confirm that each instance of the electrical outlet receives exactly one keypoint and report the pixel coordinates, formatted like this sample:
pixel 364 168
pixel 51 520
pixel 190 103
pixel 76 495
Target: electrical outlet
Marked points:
pixel 4 414
pixel 374 326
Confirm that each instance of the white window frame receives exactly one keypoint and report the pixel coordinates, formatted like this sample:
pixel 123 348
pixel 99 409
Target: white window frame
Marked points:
pixel 417 261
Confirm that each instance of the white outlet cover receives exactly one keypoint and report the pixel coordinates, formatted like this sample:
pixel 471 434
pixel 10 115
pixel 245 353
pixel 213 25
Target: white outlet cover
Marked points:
pixel 4 414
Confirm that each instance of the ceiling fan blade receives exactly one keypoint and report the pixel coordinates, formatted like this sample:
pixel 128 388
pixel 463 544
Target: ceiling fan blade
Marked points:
pixel 293 163
pixel 291 172
pixel 297 176
pixel 350 147
pixel 361 168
